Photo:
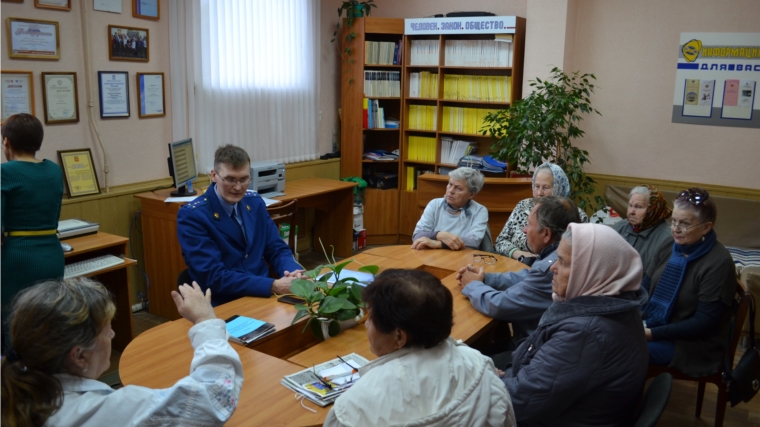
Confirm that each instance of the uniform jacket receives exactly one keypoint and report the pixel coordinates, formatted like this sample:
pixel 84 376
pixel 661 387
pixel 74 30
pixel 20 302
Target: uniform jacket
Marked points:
pixel 519 297
pixel 221 258
pixel 447 385
pixel 208 397
pixel 584 366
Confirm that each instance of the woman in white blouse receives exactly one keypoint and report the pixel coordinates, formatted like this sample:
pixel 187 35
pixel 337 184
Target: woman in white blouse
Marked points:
pixel 60 336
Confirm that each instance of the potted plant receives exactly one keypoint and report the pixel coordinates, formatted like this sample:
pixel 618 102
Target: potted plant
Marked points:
pixel 353 9
pixel 542 126
pixel 331 309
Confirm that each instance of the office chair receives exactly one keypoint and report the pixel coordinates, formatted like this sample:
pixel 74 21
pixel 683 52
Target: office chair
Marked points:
pixel 654 401
pixel 742 299
pixel 184 277
pixel 286 213
pixel 486 244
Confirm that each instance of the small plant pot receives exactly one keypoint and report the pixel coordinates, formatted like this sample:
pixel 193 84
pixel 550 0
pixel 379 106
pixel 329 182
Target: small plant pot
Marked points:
pixel 357 11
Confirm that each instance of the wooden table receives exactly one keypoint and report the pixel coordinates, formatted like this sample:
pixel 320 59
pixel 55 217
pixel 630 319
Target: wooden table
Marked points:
pixel 331 199
pixel 115 279
pixel 161 356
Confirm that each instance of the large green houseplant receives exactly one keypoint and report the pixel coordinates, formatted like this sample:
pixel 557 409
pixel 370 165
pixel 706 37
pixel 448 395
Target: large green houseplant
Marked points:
pixel 330 305
pixel 542 126
pixel 354 9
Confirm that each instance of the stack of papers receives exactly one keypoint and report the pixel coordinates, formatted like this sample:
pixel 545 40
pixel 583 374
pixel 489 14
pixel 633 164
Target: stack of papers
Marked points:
pixel 380 155
pixel 483 164
pixel 245 330
pixel 323 383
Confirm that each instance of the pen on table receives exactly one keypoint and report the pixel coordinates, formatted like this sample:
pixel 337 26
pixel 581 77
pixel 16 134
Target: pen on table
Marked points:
pixel 349 365
pixel 336 376
pixel 322 381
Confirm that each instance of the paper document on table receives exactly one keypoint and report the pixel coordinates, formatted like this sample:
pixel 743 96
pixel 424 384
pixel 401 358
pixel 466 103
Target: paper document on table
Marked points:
pixel 269 201
pixel 309 382
pixel 180 199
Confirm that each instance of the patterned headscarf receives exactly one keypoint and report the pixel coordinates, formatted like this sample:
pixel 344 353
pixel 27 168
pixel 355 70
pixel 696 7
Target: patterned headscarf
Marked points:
pixel 561 186
pixel 657 209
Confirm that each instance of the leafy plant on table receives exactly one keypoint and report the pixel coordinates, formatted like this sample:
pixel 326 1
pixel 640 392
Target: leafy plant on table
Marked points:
pixel 542 126
pixel 336 303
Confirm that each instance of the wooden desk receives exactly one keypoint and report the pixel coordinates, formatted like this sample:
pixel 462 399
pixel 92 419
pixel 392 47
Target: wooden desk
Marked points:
pixel 332 200
pixel 161 356
pixel 499 196
pixel 115 279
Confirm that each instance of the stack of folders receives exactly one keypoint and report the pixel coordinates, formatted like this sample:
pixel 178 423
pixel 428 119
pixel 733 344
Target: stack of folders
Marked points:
pixel 245 330
pixel 324 383
pixel 452 150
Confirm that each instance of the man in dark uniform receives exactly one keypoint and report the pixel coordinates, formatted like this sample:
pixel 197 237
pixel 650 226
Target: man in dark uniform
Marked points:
pixel 227 237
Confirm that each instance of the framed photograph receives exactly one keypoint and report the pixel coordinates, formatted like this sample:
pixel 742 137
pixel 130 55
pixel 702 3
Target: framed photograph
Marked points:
pixel 12 1
pixel 59 97
pixel 32 38
pixel 146 9
pixel 114 94
pixel 17 89
pixel 53 4
pixel 79 172
pixel 128 44
pixel 150 91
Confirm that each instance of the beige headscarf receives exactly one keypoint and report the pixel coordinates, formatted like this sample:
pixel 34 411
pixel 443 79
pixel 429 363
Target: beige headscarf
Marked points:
pixel 603 263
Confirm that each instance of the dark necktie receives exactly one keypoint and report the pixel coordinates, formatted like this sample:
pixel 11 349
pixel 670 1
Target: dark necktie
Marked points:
pixel 235 220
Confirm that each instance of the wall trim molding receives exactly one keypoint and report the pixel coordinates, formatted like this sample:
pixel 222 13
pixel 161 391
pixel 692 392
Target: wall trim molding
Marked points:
pixel 719 190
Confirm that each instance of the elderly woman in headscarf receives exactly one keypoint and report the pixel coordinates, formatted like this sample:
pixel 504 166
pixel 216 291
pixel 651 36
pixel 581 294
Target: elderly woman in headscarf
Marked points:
pixel 587 361
pixel 646 229
pixel 548 180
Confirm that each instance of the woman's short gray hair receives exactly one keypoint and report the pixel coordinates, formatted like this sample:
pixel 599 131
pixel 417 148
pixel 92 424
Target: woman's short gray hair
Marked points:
pixel 473 178
pixel 640 190
pixel 567 236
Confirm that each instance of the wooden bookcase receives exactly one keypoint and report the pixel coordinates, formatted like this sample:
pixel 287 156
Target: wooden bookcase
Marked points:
pixel 381 218
pixel 408 199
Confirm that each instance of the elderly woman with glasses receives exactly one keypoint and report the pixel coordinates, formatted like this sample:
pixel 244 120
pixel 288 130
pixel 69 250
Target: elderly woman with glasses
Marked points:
pixel 646 228
pixel 421 377
pixel 691 285
pixel 548 180
pixel 454 221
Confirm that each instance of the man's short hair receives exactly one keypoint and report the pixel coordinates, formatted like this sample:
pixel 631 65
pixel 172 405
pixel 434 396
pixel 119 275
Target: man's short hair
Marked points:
pixel 231 156
pixel 555 213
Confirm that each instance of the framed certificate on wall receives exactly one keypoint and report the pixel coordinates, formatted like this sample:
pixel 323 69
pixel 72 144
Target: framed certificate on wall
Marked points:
pixel 114 94
pixel 150 90
pixel 79 172
pixel 32 38
pixel 17 89
pixel 146 9
pixel 59 97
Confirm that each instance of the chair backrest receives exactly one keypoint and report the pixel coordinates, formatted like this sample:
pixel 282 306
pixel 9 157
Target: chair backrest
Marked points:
pixel 487 243
pixel 286 213
pixel 741 308
pixel 184 277
pixel 654 401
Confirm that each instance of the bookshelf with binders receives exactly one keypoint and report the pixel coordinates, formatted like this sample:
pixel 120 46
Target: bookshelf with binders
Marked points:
pixel 474 74
pixel 371 117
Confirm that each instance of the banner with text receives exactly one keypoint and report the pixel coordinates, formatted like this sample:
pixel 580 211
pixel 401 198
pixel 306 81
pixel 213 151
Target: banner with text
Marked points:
pixel 461 25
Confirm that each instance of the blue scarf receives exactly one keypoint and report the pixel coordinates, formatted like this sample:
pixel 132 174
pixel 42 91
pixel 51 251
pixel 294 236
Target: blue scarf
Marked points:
pixel 660 307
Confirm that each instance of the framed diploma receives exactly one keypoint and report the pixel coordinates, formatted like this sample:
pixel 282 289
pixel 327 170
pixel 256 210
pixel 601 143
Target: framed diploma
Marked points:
pixel 31 38
pixel 17 89
pixel 114 94
pixel 128 44
pixel 150 88
pixel 59 97
pixel 146 9
pixel 79 172
pixel 53 4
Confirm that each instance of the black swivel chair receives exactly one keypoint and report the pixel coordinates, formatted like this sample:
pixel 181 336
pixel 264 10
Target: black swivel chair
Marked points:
pixel 655 400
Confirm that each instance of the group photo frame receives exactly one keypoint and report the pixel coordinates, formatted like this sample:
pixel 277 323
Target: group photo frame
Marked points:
pixel 128 43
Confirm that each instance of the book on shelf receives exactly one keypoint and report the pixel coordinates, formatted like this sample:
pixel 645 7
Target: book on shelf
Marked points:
pixel 422 117
pixel 392 123
pixel 483 164
pixel 478 53
pixel 476 88
pixel 424 52
pixel 373 115
pixel 382 83
pixel 245 330
pixel 412 173
pixel 452 150
pixel 421 148
pixel 423 85
pixel 325 382
pixel 380 155
pixel 464 120
pixel 381 53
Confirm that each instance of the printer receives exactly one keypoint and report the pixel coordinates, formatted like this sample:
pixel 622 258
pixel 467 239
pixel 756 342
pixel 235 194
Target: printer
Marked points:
pixel 267 178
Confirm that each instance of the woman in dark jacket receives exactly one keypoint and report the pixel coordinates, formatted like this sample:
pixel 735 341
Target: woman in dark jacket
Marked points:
pixel 586 363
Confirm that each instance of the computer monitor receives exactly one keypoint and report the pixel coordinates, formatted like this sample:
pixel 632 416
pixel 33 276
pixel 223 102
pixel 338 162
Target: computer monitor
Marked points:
pixel 182 167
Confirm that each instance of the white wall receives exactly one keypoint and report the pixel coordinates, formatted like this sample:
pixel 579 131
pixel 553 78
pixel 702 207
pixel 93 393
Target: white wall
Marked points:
pixel 136 147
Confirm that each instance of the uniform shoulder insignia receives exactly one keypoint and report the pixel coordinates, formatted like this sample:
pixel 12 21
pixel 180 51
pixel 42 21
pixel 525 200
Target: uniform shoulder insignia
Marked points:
pixel 196 203
pixel 251 193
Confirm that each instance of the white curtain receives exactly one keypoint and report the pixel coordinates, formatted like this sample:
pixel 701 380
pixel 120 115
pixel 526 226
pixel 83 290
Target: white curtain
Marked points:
pixel 245 72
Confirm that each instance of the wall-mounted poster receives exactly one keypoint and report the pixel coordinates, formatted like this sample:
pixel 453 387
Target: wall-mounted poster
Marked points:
pixel 716 80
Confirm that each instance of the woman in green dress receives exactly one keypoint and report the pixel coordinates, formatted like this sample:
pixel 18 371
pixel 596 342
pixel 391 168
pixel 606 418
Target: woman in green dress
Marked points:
pixel 31 205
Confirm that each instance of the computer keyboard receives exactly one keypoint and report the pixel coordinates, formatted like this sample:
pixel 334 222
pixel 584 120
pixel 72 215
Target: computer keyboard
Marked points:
pixel 81 268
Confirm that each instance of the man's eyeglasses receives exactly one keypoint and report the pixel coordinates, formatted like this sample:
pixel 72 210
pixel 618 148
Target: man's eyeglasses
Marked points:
pixel 681 226
pixel 488 259
pixel 693 197
pixel 232 181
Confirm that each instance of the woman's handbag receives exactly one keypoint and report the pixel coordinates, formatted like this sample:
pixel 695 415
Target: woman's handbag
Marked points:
pixel 743 382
